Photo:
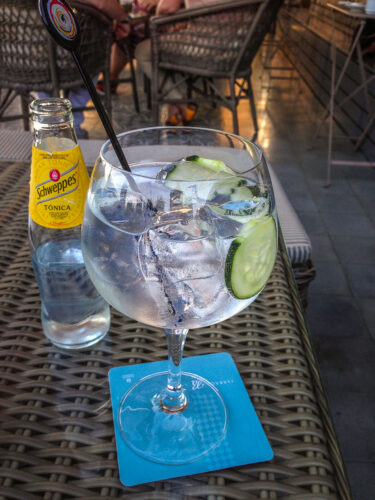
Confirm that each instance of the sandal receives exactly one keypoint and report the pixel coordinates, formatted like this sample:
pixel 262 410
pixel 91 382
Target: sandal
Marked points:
pixel 175 120
pixel 190 112
pixel 100 87
pixel 179 118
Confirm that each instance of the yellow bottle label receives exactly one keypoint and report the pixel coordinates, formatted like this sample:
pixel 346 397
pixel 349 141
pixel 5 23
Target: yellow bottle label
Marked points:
pixel 58 187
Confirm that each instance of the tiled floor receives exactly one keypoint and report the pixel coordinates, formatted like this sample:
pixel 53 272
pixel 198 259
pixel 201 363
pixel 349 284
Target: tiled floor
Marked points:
pixel 341 223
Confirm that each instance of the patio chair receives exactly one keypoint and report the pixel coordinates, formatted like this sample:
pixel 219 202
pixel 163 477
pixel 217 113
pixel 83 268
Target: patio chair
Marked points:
pixel 199 48
pixel 30 61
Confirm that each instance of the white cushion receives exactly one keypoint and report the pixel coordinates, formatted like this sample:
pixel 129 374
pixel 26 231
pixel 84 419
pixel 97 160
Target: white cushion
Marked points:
pixel 296 239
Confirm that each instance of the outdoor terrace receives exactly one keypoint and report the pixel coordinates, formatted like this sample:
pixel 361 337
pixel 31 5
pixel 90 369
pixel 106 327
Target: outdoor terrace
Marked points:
pixel 340 221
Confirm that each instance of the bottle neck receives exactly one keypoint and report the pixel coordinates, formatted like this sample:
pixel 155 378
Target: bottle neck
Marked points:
pixel 53 124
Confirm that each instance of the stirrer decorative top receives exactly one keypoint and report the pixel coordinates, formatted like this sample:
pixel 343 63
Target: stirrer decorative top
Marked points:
pixel 60 22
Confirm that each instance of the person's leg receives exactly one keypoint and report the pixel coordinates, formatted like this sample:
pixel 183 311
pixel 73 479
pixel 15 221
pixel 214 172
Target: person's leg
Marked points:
pixel 44 95
pixel 119 60
pixel 143 57
pixel 121 50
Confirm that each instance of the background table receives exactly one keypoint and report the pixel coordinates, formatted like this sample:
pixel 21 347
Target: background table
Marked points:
pixel 361 17
pixel 57 438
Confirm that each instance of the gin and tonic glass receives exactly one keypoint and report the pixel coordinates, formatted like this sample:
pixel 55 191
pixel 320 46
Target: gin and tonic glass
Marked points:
pixel 185 241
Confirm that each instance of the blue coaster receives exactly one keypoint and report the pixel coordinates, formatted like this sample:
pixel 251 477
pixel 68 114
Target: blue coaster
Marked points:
pixel 245 441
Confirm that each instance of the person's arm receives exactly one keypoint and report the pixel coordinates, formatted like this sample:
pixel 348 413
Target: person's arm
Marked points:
pixel 110 8
pixel 113 10
pixel 168 6
pixel 147 5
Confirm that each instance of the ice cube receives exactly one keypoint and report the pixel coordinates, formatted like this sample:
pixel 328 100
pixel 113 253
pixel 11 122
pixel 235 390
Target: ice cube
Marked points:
pixel 128 211
pixel 182 254
pixel 226 227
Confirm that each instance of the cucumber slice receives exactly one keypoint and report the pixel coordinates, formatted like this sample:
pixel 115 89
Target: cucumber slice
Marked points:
pixel 216 165
pixel 251 257
pixel 195 168
pixel 226 194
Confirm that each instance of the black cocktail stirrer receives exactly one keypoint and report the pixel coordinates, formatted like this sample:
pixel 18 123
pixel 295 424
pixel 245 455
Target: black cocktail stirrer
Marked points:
pixel 62 26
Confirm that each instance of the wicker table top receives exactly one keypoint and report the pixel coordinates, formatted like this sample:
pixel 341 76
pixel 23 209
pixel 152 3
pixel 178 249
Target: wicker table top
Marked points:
pixel 57 438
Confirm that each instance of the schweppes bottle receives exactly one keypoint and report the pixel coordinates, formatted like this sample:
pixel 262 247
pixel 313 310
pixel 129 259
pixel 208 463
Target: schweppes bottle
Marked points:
pixel 74 315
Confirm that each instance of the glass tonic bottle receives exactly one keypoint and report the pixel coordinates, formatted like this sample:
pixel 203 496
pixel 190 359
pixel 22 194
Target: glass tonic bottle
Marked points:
pixel 74 315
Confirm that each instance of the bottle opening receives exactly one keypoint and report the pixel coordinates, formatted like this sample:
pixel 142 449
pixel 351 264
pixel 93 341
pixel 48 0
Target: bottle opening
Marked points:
pixel 51 110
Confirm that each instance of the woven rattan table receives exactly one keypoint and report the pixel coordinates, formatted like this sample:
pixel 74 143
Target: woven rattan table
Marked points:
pixel 57 437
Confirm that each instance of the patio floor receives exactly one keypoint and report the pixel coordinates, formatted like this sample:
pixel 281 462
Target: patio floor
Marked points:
pixel 340 221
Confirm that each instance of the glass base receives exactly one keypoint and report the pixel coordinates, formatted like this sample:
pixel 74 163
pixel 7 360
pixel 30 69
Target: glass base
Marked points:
pixel 172 438
pixel 78 335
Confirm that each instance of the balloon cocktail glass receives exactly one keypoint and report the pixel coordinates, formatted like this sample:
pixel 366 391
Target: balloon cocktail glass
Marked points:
pixel 186 240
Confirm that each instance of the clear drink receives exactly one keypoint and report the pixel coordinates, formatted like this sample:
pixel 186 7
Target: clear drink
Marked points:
pixel 73 313
pixel 167 272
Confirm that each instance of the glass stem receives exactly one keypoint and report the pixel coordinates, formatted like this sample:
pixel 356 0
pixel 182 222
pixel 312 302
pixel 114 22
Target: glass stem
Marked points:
pixel 174 399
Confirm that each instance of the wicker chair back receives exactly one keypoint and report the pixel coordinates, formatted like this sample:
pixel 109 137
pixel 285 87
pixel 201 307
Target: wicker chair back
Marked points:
pixel 31 61
pixel 214 42
pixel 211 42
